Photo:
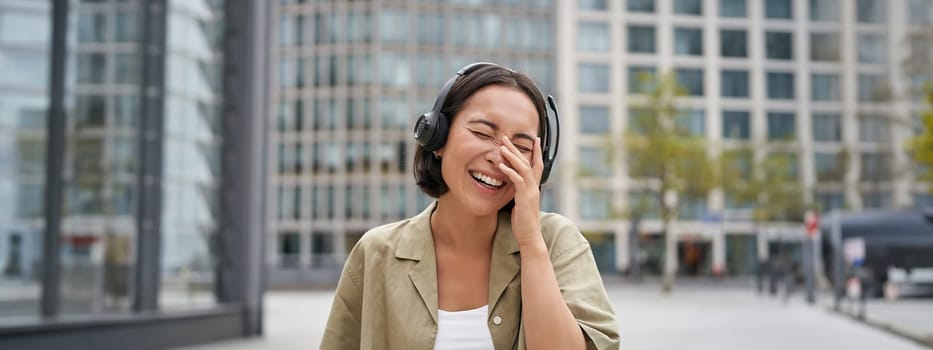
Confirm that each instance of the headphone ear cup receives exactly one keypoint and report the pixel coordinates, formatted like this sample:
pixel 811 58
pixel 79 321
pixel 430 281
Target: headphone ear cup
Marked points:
pixel 438 133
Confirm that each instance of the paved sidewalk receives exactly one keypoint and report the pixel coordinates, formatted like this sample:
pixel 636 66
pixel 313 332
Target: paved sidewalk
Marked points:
pixel 697 315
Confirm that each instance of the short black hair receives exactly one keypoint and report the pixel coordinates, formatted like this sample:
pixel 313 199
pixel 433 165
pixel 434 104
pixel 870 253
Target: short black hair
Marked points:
pixel 427 167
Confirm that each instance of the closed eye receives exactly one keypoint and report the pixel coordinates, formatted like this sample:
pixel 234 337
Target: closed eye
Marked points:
pixel 481 135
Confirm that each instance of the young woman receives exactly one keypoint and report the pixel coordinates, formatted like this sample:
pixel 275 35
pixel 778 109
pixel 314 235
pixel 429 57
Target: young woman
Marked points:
pixel 481 267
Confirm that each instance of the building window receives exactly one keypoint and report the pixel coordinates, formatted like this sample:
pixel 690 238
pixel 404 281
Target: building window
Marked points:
pixel 732 8
pixel 872 88
pixel 598 5
pixel 921 13
pixel 594 120
pixel 593 37
pixel 594 205
pixel 322 249
pixel 778 9
pixel 641 80
pixel 779 45
pixel 830 201
pixel 688 41
pixel 593 78
pixel 824 10
pixel 733 43
pixel 734 83
pixel 688 7
pixel 640 5
pixel 393 26
pixel 781 126
pixel 691 79
pixel 875 167
pixel 827 127
pixel 692 122
pixel 781 86
pixel 289 249
pixel 735 125
pixel 873 128
pixel 871 11
pixel 830 167
pixel 825 87
pixel 430 29
pixel 824 47
pixel 871 48
pixel 691 207
pixel 594 161
pixel 641 39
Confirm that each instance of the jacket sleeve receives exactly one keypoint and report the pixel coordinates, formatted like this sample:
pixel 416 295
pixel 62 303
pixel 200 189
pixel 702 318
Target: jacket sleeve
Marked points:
pixel 582 286
pixel 344 323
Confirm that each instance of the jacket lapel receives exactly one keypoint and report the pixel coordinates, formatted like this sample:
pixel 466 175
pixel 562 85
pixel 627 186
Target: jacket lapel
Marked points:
pixel 506 263
pixel 416 244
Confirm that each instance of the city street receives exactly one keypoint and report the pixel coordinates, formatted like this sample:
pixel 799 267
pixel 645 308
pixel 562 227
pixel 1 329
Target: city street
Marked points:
pixel 697 315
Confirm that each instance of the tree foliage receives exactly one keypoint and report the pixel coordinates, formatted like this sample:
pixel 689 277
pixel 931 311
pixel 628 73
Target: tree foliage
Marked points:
pixel 921 145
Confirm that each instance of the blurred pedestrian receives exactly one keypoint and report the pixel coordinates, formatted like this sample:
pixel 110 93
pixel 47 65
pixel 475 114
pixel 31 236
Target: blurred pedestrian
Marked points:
pixel 481 267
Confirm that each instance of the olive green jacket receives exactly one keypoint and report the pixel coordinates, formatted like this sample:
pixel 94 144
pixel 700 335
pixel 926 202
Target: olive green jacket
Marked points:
pixel 387 294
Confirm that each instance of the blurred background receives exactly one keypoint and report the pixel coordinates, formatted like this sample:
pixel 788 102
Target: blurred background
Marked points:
pixel 212 162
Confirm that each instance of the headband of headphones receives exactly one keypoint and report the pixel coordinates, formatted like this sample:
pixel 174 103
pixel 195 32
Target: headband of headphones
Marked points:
pixel 432 127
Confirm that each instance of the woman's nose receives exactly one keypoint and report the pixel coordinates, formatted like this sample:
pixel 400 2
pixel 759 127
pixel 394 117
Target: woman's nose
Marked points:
pixel 493 154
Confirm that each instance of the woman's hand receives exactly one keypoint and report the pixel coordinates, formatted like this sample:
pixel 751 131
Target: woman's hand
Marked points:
pixel 525 176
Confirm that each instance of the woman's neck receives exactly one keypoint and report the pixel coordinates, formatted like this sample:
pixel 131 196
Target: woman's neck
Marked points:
pixel 454 227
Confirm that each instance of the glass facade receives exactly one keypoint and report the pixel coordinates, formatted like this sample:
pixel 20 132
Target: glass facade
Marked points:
pixel 133 94
pixel 191 185
pixel 24 44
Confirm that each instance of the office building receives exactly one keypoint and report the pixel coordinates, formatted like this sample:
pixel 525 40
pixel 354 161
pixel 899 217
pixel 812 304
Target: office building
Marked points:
pixel 348 79
pixel 827 75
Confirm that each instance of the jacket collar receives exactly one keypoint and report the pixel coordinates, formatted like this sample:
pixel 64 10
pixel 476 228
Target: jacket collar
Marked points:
pixel 416 243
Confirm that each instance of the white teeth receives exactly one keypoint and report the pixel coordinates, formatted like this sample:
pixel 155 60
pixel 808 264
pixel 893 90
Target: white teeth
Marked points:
pixel 486 179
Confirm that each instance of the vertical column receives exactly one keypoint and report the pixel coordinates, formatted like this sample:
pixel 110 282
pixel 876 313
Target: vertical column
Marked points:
pixel 149 177
pixel 244 178
pixel 55 157
pixel 849 87
pixel 802 85
pixel 901 121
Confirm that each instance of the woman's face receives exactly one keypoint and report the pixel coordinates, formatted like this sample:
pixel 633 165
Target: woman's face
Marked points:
pixel 471 155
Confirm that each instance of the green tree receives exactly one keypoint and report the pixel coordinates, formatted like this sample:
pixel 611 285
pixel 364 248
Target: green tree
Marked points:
pixel 921 145
pixel 664 154
pixel 766 184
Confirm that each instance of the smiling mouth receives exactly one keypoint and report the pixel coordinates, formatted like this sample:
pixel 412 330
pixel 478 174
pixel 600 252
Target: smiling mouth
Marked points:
pixel 486 180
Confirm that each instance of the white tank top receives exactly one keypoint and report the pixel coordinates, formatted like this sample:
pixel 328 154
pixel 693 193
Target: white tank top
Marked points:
pixel 462 330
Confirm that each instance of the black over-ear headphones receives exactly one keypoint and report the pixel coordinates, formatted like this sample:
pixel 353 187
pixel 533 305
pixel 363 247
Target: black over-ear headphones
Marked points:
pixel 432 127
